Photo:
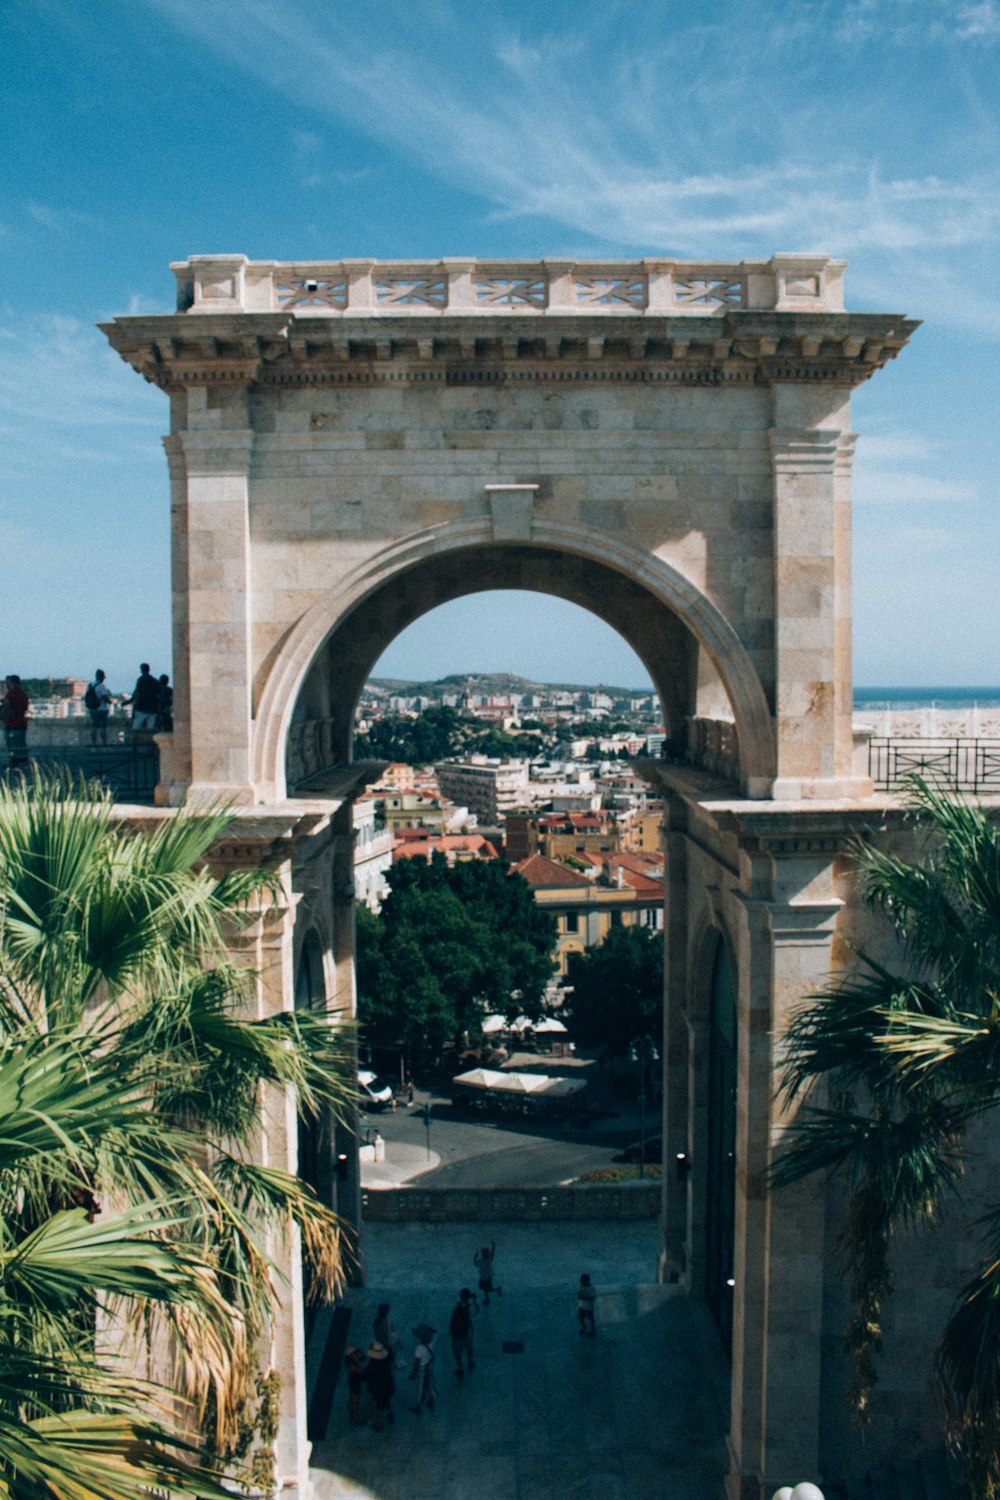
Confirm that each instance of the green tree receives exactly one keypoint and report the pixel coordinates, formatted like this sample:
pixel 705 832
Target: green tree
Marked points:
pixel 910 1054
pixel 617 989
pixel 448 942
pixel 124 1024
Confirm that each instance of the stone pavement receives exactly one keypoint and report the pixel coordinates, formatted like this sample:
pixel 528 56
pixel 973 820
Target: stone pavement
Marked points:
pixel 636 1414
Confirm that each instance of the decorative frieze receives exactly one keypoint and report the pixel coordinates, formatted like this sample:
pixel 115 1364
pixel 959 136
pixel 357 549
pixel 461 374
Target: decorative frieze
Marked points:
pixel 291 349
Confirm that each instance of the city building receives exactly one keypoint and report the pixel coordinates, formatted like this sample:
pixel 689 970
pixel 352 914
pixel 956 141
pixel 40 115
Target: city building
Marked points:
pixel 586 907
pixel 490 788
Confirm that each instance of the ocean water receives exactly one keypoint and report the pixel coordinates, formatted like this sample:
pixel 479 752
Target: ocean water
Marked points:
pixel 926 697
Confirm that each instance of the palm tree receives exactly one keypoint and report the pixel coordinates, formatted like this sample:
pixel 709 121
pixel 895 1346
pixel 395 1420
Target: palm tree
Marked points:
pixel 117 998
pixel 911 1057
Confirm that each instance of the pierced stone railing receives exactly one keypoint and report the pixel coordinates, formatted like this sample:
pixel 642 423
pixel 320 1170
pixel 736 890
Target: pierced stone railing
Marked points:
pixel 372 288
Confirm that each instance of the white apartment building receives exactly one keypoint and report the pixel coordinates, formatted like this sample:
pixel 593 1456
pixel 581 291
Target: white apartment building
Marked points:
pixel 372 856
pixel 490 788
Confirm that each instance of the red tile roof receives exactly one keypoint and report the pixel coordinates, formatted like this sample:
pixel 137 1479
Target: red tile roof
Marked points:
pixel 539 871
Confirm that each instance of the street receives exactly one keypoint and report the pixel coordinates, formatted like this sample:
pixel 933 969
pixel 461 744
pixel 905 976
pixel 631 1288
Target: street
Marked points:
pixel 490 1153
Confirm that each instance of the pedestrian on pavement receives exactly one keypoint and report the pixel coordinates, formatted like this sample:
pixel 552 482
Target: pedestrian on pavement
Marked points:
pixel 354 1360
pixel 381 1384
pixel 423 1367
pixel 385 1332
pixel 460 1331
pixel 484 1260
pixel 97 701
pixel 15 720
pixel 586 1301
pixel 409 1092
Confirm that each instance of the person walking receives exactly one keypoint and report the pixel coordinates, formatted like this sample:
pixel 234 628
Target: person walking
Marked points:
pixel 354 1361
pixel 586 1301
pixel 385 1332
pixel 15 706
pixel 460 1332
pixel 423 1367
pixel 484 1261
pixel 381 1384
pixel 97 702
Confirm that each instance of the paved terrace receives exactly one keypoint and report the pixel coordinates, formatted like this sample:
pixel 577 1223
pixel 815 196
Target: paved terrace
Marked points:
pixel 636 1414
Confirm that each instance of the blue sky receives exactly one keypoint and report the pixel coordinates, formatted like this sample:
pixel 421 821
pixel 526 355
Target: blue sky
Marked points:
pixel 141 131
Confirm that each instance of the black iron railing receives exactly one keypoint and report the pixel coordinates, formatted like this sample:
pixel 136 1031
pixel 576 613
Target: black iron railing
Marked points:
pixel 963 765
pixel 129 772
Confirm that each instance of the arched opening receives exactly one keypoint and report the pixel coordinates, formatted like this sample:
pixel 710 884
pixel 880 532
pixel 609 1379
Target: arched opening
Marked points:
pixel 720 1207
pixel 313 677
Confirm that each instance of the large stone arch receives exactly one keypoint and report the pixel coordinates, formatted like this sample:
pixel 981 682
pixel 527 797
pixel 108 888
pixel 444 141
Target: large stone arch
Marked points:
pixel 554 549
pixel 666 443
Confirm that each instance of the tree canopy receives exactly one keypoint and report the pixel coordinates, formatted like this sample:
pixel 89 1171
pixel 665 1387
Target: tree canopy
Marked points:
pixel 617 989
pixel 130 1088
pixel 450 943
pixel 911 1055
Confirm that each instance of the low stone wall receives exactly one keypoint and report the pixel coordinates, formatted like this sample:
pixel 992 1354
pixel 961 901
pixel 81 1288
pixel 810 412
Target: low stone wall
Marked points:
pixel 407 1205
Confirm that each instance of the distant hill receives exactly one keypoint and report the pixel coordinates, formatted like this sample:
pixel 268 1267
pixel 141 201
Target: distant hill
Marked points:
pixel 496 683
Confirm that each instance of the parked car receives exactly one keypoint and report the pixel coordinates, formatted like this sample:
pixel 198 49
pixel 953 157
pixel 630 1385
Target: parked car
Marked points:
pixel 375 1092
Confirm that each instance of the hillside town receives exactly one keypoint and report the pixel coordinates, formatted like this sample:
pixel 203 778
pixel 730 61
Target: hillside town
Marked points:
pixel 569 816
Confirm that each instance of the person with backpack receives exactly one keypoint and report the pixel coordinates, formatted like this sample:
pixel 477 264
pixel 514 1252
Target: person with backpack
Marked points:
pixel 97 702
pixel 460 1331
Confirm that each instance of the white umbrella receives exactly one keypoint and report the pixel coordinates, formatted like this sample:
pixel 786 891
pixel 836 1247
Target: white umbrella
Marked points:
pixel 523 1023
pixel 492 1024
pixel 549 1025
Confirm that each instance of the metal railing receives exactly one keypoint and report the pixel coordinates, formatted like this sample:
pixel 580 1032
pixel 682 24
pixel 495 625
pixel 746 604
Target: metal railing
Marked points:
pixel 129 772
pixel 961 764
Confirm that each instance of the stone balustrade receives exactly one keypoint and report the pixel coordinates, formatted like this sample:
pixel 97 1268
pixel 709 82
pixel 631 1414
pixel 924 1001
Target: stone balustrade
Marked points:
pixel 369 288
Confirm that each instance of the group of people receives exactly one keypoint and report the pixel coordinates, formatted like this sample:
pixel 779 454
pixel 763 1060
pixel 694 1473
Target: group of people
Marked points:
pixel 152 703
pixel 375 1369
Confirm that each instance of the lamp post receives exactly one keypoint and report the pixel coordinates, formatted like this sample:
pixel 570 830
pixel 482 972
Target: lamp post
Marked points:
pixel 642 1051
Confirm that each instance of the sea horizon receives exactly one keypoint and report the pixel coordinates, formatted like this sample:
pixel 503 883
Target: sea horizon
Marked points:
pixel 902 698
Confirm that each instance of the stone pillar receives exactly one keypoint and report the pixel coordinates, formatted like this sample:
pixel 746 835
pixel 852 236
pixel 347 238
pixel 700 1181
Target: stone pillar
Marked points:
pixel 787 912
pixel 211 606
pixel 810 455
pixel 675 1213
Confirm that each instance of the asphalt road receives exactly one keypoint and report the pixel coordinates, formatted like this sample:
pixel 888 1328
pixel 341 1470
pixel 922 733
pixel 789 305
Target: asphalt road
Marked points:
pixel 477 1153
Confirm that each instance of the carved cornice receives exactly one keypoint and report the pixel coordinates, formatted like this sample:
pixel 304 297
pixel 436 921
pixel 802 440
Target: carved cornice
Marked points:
pixel 737 348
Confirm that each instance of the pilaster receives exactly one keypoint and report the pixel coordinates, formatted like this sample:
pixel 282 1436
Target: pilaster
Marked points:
pixel 786 917
pixel 212 612
pixel 812 570
pixel 675 1249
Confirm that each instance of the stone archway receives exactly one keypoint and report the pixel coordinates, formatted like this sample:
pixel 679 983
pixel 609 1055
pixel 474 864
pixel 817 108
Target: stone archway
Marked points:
pixel 666 443
pixel 654 608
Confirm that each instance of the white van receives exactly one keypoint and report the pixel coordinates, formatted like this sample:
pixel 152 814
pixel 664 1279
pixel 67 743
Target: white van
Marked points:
pixel 375 1092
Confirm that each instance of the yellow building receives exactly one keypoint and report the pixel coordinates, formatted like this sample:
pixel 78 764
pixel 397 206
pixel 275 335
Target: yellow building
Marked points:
pixel 617 893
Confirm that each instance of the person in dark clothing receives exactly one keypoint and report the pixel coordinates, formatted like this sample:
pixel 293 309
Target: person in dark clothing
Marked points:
pixel 586 1301
pixel 354 1361
pixel 483 1261
pixel 460 1332
pixel 165 706
pixel 15 720
pixel 145 701
pixel 381 1384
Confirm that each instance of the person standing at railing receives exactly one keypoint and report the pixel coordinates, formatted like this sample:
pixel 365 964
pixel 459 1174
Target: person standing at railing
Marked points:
pixel 15 720
pixel 97 701
pixel 145 702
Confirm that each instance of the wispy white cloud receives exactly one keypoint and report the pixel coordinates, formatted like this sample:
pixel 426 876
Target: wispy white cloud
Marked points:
pixel 898 468
pixel 978 22
pixel 613 140
pixel 61 220
pixel 60 379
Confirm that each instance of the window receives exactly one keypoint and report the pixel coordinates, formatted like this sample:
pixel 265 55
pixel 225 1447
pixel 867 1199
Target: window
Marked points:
pixel 571 921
